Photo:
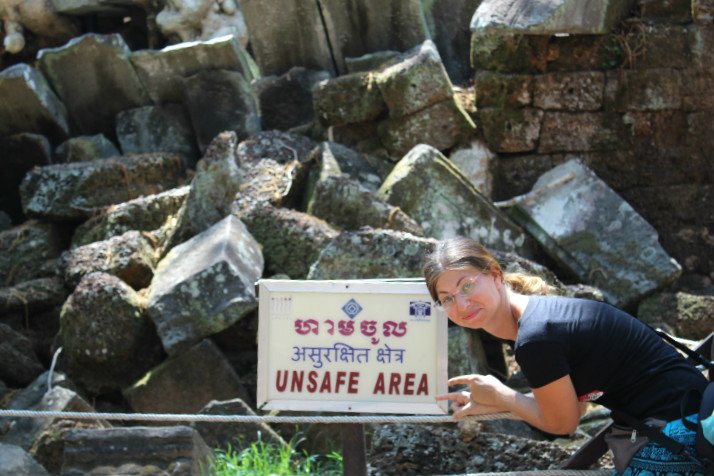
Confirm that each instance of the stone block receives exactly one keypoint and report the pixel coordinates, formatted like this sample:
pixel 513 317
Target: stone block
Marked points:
pixel 29 251
pixel 287 33
pixel 108 340
pixel 348 99
pixel 130 257
pixel 659 46
pixel 435 193
pixel 577 53
pixel 220 100
pixel 20 153
pixel 511 130
pixel 101 7
pixel 685 315
pixel 32 296
pixel 16 461
pixel 569 91
pixel 595 234
pixel 702 12
pixel 477 163
pixel 205 284
pixel 89 70
pixel 368 170
pixel 548 17
pixel 416 82
pixel 220 435
pixel 30 105
pixel 368 254
pixel 503 90
pixel 286 101
pixel 187 382
pixel 449 25
pixel 441 126
pixel 347 205
pixel 76 190
pixel 177 450
pixel 145 213
pixel 18 363
pixel 291 240
pixel 370 61
pixel 85 148
pixel 674 11
pixel 643 90
pixel 583 132
pixel 696 82
pixel 161 71
pixel 514 54
pixel 162 128
pixel 356 27
pixel 281 147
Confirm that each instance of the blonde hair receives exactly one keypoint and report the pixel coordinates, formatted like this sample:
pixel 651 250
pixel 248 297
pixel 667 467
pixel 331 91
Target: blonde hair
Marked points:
pixel 462 253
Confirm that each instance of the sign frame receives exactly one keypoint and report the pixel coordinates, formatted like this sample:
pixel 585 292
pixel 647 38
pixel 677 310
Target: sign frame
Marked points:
pixel 267 287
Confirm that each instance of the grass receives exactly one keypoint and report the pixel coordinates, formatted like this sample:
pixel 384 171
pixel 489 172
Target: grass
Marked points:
pixel 266 459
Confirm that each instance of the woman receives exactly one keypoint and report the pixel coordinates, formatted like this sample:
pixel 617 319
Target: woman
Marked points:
pixel 571 351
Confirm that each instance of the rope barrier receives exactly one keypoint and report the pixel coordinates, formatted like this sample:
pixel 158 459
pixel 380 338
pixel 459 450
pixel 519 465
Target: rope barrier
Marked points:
pixel 246 418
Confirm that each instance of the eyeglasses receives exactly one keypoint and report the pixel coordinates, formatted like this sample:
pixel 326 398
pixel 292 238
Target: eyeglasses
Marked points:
pixel 467 289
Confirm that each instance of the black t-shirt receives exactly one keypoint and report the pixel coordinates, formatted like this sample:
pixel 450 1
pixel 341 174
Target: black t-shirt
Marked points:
pixel 612 358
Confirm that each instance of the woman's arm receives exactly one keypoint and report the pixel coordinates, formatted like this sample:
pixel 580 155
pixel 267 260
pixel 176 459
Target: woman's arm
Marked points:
pixel 553 408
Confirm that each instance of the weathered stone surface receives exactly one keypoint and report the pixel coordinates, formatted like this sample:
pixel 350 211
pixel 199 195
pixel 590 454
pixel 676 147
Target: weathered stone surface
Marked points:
pixel 503 53
pixel 220 100
pixel 368 253
pixel 130 257
pixel 187 382
pixel 161 71
pixel 287 33
pixel 176 450
pixel 569 91
pixel 220 435
pixel 477 163
pixel 702 12
pixel 16 461
pixel 162 128
pixel 29 432
pixel 356 27
pixel 370 61
pixel 449 25
pixel 694 96
pixel 70 191
pixel 666 10
pixel 286 100
pixel 30 105
pixel 291 240
pixel 33 295
pixel 548 17
pixel 18 363
pixel 268 181
pixel 682 314
pixel 344 203
pixel 89 70
pixel 416 82
pixel 5 221
pixel 213 188
pixel 431 190
pixel 368 170
pixel 644 90
pixel 20 153
pixel 591 231
pixel 582 131
pixel 282 147
pixel 511 130
pixel 29 251
pixel 502 90
pixel 441 126
pixel 205 284
pixel 85 148
pixel 667 46
pixel 348 99
pixel 108 339
pixel 144 213
pixel 577 53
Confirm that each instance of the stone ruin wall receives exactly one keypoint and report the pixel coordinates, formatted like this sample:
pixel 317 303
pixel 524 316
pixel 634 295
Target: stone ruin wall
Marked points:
pixel 634 104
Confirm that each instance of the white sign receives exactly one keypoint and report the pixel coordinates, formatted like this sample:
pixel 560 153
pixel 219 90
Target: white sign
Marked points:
pixel 373 346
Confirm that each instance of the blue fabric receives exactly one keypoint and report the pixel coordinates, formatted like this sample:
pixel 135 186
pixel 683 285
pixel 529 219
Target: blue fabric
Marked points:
pixel 654 460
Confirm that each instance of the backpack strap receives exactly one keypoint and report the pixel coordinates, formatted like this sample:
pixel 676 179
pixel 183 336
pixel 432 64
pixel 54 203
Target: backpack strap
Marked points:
pixel 673 446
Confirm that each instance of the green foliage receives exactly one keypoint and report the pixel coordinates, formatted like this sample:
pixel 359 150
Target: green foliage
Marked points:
pixel 265 459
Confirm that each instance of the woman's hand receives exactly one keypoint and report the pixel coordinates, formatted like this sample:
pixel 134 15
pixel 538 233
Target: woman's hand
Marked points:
pixel 485 395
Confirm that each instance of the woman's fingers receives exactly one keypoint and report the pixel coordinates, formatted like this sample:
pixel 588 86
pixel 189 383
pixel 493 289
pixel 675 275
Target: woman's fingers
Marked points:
pixel 462 379
pixel 460 397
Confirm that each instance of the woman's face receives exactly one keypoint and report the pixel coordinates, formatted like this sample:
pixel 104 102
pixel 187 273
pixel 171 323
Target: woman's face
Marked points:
pixel 469 297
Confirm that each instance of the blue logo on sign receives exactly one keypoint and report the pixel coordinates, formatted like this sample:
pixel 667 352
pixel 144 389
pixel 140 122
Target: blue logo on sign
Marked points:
pixel 352 308
pixel 419 308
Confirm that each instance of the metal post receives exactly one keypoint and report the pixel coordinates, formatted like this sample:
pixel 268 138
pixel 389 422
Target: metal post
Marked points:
pixel 354 459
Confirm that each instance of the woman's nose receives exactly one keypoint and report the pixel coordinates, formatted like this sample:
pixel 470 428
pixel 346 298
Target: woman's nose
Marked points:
pixel 462 302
